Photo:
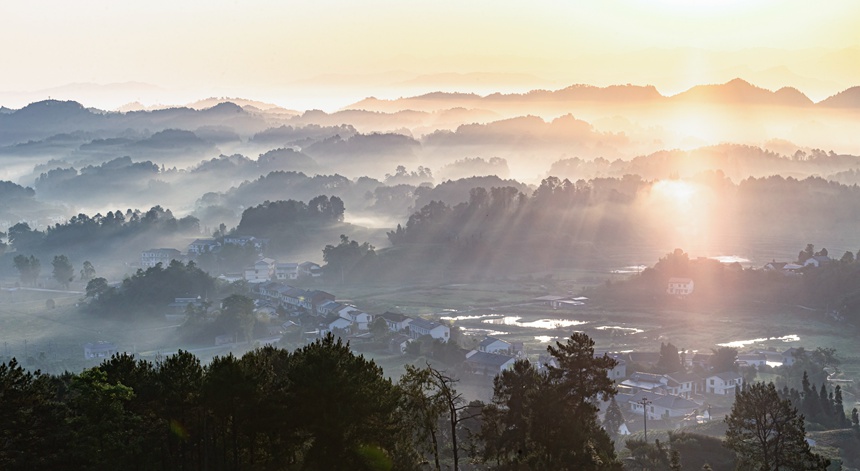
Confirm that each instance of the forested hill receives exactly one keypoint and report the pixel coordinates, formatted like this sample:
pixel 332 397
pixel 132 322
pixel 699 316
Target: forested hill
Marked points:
pixel 565 223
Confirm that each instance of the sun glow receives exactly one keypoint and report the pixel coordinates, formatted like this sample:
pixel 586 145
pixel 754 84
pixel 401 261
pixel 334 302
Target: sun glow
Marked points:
pixel 677 192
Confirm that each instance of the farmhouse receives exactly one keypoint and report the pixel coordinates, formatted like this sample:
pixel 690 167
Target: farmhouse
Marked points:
pixel 396 321
pixel 723 383
pixel 99 350
pixel 489 364
pixel 261 271
pixel 561 301
pixel 680 286
pixel 419 327
pixel 200 246
pixel 494 345
pixel 310 269
pixel 658 406
pixel 286 271
pixel 152 257
pixel 817 261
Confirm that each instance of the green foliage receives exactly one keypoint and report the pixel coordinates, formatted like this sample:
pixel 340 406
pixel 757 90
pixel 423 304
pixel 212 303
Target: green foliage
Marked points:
pixel 28 268
pixel 723 359
pixel 290 222
pixel 88 271
pixel 151 290
pixel 767 433
pixel 63 271
pixel 84 235
pixel 321 407
pixel 237 317
pixel 670 360
pixel 347 258
pixel 696 451
pixel 549 420
pixel 647 456
pixel 613 419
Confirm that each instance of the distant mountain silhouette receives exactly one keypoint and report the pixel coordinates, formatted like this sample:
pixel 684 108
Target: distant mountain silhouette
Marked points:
pixel 739 91
pixel 849 98
pixel 246 104
pixel 42 119
pixel 734 92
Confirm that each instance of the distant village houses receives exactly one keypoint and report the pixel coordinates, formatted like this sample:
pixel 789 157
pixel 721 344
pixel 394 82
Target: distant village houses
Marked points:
pixel 680 286
pixel 152 257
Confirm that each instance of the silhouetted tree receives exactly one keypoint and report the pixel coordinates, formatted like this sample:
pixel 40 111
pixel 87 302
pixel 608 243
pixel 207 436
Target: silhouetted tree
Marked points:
pixel 63 271
pixel 767 433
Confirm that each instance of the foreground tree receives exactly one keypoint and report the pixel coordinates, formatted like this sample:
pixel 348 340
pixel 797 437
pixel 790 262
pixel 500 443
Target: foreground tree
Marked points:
pixel 767 433
pixel 549 420
pixel 346 408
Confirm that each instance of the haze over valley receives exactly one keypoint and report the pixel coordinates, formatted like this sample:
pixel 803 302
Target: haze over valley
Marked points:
pixel 445 219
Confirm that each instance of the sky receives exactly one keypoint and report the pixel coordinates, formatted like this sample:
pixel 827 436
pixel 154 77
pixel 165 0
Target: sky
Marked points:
pixel 300 53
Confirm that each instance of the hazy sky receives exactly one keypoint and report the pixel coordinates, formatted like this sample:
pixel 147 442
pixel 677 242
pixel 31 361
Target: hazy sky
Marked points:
pixel 295 50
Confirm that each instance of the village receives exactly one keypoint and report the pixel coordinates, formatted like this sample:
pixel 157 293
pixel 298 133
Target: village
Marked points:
pixel 696 391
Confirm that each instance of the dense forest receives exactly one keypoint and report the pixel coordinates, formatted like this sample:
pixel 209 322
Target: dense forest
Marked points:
pixel 319 407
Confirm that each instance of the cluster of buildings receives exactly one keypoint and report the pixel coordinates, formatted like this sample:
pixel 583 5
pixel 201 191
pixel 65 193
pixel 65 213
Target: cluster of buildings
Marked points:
pixel 150 258
pixel 792 268
pixel 329 316
pixel 684 395
pixel 263 270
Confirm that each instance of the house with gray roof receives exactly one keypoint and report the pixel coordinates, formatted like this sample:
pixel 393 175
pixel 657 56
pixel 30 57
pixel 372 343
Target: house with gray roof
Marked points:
pixel 419 327
pixel 489 364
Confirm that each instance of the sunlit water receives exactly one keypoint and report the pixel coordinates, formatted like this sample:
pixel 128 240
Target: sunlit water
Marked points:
pixel 630 269
pixel 731 259
pixel 538 324
pixel 743 343
pixel 630 330
pixel 467 318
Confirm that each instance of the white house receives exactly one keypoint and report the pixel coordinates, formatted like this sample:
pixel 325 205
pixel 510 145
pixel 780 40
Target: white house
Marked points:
pixel 676 384
pixel 494 345
pixel 419 327
pixel 333 322
pixel 817 261
pixel 489 364
pixel 396 322
pixel 152 257
pixel 261 271
pixel 658 406
pixel 329 307
pixel 310 269
pixel 723 383
pixel 358 317
pixel 245 241
pixel 200 246
pixel 286 271
pixel 619 370
pixel 99 350
pixel 680 286
pixel 684 384
pixel 788 357
pixel 756 359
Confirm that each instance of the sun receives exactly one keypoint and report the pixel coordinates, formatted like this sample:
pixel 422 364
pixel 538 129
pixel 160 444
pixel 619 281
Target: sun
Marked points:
pixel 678 192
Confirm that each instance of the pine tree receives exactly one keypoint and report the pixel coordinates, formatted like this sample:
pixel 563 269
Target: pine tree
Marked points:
pixel 767 433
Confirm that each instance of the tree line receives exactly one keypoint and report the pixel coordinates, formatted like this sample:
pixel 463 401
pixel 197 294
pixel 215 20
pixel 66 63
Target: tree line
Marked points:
pixel 97 235
pixel 318 407
pixel 323 407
